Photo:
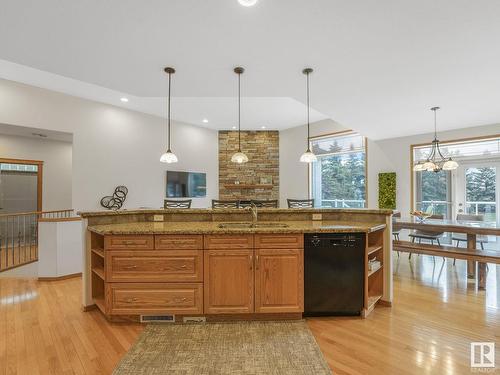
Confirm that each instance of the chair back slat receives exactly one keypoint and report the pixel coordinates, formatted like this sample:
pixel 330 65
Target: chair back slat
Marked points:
pixel 221 204
pixel 271 203
pixel 170 203
pixel 300 203
pixel 470 217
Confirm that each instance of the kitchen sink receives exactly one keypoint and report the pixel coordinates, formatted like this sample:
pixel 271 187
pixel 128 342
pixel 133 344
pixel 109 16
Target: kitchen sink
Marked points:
pixel 253 225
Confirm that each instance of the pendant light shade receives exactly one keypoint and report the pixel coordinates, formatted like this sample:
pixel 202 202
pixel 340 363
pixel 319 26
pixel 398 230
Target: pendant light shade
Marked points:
pixel 435 161
pixel 308 156
pixel 239 157
pixel 169 156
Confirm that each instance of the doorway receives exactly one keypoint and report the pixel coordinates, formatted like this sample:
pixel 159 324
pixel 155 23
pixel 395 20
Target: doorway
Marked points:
pixel 21 184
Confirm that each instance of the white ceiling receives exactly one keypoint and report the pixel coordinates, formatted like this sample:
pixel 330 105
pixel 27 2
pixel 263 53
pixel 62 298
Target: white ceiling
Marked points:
pixel 379 65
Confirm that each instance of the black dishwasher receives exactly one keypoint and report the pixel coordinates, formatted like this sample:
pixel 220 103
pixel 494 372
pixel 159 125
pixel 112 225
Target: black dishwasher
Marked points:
pixel 334 265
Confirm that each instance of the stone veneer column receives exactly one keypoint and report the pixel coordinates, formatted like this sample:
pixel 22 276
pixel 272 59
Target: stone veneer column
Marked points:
pixel 262 149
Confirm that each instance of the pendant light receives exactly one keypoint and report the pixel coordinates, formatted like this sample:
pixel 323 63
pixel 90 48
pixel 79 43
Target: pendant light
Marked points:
pixel 169 156
pixel 436 161
pixel 239 157
pixel 308 156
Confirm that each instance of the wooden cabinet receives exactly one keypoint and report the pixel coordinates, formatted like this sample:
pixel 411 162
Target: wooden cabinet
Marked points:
pixel 179 242
pixel 198 274
pixel 279 241
pixel 124 242
pixel 159 266
pixel 279 280
pixel 228 241
pixel 154 298
pixel 229 281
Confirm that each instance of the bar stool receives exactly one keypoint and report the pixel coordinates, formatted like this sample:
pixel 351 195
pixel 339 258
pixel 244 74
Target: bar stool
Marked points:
pixel 300 203
pixel 170 203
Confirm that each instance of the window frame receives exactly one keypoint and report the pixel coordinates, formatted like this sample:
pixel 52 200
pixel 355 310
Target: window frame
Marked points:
pixel 335 134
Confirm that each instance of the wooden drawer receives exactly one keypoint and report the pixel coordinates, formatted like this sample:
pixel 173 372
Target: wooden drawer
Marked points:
pixel 279 241
pixel 178 242
pixel 154 298
pixel 160 266
pixel 229 241
pixel 124 242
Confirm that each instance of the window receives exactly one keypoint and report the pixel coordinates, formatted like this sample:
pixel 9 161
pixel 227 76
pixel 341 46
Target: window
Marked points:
pixel 338 178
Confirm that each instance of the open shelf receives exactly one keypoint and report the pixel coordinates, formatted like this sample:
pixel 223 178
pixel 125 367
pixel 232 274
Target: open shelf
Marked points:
pixel 374 249
pixel 99 272
pixel 372 272
pixel 248 186
pixel 99 252
pixel 372 300
pixel 99 302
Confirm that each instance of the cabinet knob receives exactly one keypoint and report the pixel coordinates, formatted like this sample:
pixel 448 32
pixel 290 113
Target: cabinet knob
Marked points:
pixel 131 300
pixel 184 266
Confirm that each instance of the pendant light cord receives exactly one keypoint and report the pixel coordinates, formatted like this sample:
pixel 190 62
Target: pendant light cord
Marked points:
pixel 168 110
pixel 308 133
pixel 239 112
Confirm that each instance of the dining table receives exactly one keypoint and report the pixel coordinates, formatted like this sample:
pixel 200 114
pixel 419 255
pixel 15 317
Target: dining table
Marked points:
pixel 471 229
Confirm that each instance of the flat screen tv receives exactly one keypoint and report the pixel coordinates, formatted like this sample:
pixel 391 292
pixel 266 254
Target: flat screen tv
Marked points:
pixel 186 184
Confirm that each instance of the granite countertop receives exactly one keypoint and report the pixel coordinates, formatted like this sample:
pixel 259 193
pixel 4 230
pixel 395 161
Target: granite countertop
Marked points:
pixel 160 211
pixel 213 228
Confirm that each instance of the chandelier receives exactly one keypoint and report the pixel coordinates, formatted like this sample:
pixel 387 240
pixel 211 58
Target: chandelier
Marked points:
pixel 435 161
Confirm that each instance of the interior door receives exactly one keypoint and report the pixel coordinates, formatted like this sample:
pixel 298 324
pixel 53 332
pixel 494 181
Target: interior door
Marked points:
pixel 478 190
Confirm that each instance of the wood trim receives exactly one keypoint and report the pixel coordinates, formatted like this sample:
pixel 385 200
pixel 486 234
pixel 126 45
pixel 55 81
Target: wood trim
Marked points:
pixel 64 277
pixel 340 132
pixel 76 218
pixel 39 163
pixel 89 308
pixel 458 140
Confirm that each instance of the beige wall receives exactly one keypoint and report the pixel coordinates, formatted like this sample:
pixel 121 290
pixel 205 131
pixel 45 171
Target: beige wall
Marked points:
pixel 57 167
pixel 113 146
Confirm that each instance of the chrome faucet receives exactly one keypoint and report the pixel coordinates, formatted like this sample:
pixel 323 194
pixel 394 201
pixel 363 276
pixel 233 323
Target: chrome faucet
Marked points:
pixel 253 208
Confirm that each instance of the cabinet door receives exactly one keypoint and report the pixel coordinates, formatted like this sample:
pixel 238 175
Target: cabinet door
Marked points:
pixel 279 280
pixel 229 281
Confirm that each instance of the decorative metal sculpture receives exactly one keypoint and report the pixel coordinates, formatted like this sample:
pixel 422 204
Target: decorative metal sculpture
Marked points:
pixel 115 202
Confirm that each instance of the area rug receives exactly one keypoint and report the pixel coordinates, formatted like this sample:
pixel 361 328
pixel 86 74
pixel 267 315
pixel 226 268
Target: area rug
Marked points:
pixel 225 348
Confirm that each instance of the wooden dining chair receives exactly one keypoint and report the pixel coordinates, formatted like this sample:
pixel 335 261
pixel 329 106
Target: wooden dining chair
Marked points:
pixel 300 203
pixel 462 237
pixel 427 235
pixel 183 204
pixel 221 204
pixel 270 203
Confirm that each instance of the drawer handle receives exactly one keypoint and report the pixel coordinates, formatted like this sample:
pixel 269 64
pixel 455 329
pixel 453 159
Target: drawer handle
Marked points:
pixel 256 262
pixel 130 267
pixel 132 300
pixel 251 261
pixel 183 266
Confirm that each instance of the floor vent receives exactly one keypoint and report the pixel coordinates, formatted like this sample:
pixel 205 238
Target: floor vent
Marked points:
pixel 157 318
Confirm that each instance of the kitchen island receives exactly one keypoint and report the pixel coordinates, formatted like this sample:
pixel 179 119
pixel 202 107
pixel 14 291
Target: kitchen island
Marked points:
pixel 199 264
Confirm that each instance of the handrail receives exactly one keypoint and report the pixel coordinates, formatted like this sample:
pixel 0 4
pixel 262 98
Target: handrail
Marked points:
pixel 39 213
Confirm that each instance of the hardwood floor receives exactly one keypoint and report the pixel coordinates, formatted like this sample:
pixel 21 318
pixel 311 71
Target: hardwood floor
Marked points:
pixel 435 316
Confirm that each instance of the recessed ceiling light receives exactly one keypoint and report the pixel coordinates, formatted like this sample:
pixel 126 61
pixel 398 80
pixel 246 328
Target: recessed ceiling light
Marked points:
pixel 247 3
pixel 204 120
pixel 125 100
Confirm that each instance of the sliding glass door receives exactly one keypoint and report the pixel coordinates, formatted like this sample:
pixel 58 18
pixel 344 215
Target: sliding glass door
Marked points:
pixel 478 190
pixel 434 193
